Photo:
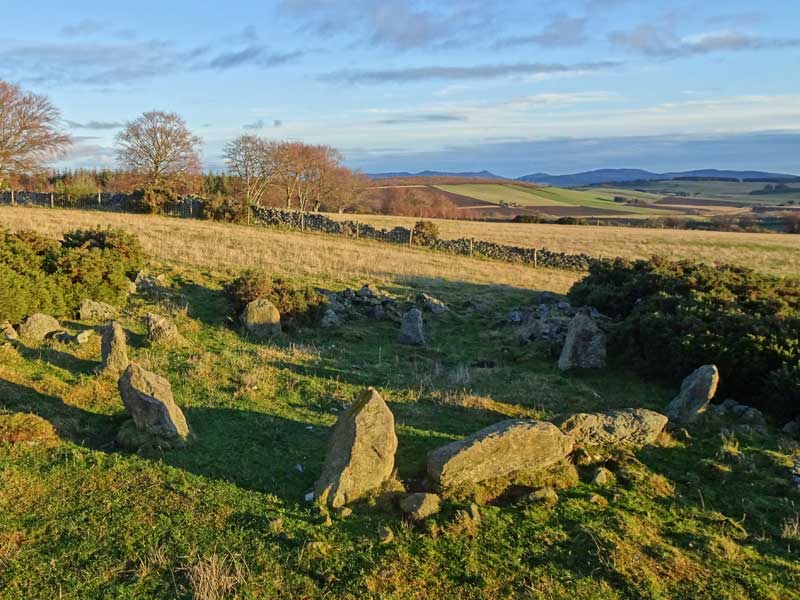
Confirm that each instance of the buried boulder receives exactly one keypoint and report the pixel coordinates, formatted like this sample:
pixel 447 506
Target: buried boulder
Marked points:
pixel 38 326
pixel 160 329
pixel 113 349
pixel 629 427
pixel 411 332
pixel 360 456
pixel 497 451
pixel 90 310
pixel 696 393
pixel 261 318
pixel 584 346
pixel 148 399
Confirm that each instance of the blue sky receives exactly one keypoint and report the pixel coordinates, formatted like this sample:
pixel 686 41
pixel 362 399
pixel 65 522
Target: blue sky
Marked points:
pixel 516 87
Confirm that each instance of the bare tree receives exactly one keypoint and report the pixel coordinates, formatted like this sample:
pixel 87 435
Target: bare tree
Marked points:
pixel 252 159
pixel 159 147
pixel 28 131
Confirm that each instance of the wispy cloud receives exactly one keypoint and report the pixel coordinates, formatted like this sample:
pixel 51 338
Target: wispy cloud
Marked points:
pixel 261 124
pixel 460 73
pixel 422 118
pixel 97 125
pixel 394 24
pixel 651 40
pixel 562 30
pixel 84 27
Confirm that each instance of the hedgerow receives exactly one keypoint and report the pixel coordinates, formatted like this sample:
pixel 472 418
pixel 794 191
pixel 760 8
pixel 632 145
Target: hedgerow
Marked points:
pixel 676 316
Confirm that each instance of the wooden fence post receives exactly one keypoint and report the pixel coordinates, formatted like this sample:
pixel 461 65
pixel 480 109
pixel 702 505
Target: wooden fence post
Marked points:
pixel 302 221
pixel 535 258
pixel 411 237
pixel 471 244
pixel 98 198
pixel 52 200
pixel 358 227
pixel 12 196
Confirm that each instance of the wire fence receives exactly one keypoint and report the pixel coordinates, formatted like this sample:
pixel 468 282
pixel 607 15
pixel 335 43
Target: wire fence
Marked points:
pixel 185 208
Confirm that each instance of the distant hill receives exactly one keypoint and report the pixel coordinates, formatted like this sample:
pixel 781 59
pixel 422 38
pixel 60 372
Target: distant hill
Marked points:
pixel 404 174
pixel 601 176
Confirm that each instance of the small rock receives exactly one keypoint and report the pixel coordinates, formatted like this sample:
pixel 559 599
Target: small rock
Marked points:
pixel 630 427
pixel 792 427
pixel 114 349
pixel 309 497
pixel 38 326
pixel 420 506
pixel 432 304
pixel 148 399
pixel 681 434
pixel 515 317
pixel 83 337
pixel 545 495
pixel 345 512
pixel 385 535
pixel 261 318
pixel 145 282
pixel 598 500
pixel 298 467
pixel 602 476
pixel 752 416
pixel 411 332
pixel 8 332
pixel 329 318
pixel 478 306
pixel 474 513
pixel 695 394
pixel 369 291
pixel 160 329
pixel 90 310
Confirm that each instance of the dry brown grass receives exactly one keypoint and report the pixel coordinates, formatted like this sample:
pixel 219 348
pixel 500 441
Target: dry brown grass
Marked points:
pixel 223 246
pixel 772 253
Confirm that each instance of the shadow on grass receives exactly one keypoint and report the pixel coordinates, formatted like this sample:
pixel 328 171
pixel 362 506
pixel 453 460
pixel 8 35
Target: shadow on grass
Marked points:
pixel 63 360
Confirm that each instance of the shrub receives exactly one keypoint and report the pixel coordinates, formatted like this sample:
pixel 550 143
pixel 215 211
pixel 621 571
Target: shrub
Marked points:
pixel 529 219
pixel 151 200
pixel 676 316
pixel 220 208
pixel 425 232
pixel 41 275
pixel 298 305
pixel 570 221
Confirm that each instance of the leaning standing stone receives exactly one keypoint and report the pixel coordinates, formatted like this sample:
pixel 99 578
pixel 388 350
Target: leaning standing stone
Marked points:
pixel 261 318
pixel 160 329
pixel 113 349
pixel 585 346
pixel 38 326
pixel 411 332
pixel 498 450
pixel 360 456
pixel 148 399
pixel 696 393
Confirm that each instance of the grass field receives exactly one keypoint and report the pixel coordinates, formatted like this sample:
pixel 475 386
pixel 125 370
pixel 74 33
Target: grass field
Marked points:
pixel 778 254
pixel 549 200
pixel 707 517
pixel 723 190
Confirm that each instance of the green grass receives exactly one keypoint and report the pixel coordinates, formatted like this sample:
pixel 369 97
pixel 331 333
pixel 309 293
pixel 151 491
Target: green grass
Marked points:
pixel 80 518
pixel 719 190
pixel 545 198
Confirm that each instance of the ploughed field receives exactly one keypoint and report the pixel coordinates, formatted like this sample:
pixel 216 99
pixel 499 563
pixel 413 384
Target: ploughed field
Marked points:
pixel 702 516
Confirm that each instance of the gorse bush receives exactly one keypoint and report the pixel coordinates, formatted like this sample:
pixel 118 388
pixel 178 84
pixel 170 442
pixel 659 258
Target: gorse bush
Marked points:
pixel 38 274
pixel 676 316
pixel 298 305
pixel 425 232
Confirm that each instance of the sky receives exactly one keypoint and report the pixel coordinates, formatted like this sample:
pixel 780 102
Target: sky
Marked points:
pixel 514 86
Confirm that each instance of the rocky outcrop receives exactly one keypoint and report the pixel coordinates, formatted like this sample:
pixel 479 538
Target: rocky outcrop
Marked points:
pixel 90 310
pixel 148 399
pixel 360 455
pixel 161 329
pixel 261 318
pixel 411 328
pixel 585 345
pixel 113 349
pixel 7 332
pixel 498 451
pixel 38 326
pixel 420 506
pixel 629 427
pixel 696 393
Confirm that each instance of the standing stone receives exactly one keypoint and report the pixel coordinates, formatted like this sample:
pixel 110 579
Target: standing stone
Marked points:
pixel 360 456
pixel 411 332
pixel 696 393
pixel 629 427
pixel 113 349
pixel 261 318
pixel 329 319
pixel 585 346
pixel 160 329
pixel 148 399
pixel 90 310
pixel 420 506
pixel 499 450
pixel 38 326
